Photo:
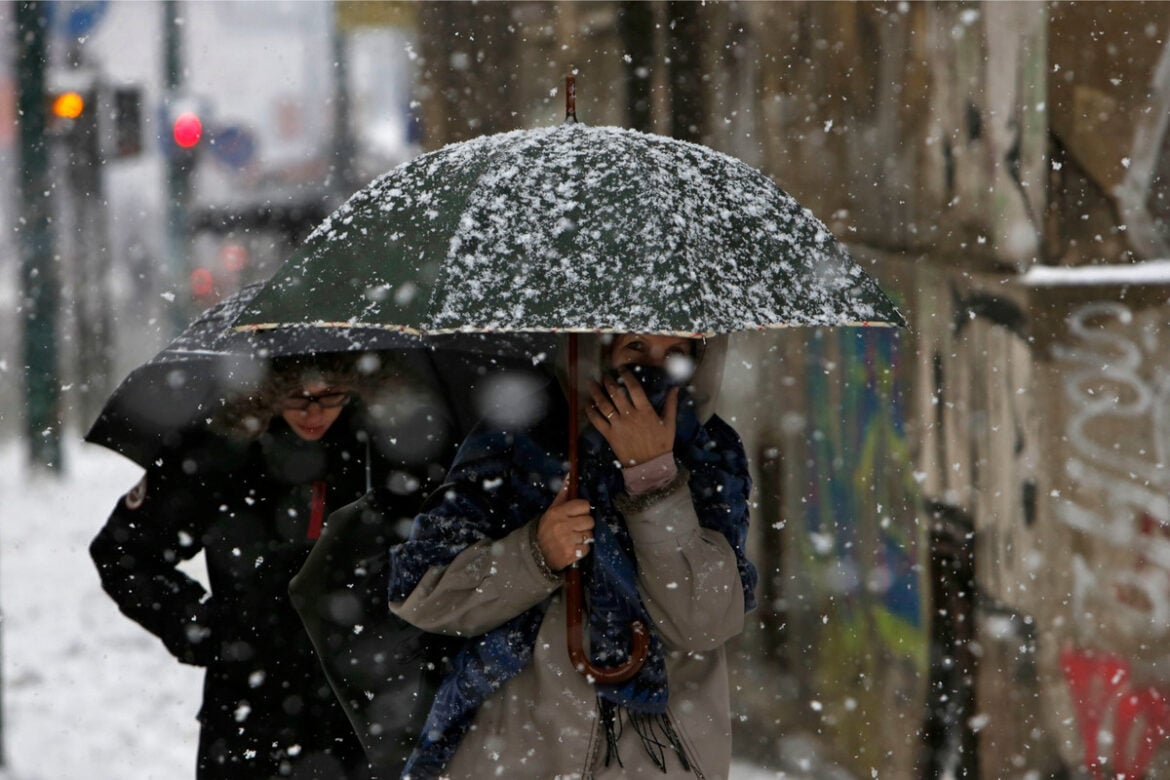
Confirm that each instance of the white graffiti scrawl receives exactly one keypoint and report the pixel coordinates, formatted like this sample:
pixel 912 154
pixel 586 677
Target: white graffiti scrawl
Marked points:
pixel 1112 382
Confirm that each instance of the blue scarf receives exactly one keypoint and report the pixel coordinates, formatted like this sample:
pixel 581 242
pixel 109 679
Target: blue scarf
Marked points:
pixel 502 480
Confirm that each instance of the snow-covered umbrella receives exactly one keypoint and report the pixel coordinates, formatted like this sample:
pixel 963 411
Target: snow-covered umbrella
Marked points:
pixel 572 229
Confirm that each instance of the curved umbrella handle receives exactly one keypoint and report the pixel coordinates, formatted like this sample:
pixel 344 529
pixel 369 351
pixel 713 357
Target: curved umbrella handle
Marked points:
pixel 574 610
pixel 574 591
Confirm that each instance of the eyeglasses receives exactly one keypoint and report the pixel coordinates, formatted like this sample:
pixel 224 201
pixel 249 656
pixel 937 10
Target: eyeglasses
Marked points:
pixel 301 403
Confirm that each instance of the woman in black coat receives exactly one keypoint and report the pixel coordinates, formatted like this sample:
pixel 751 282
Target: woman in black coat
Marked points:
pixel 254 504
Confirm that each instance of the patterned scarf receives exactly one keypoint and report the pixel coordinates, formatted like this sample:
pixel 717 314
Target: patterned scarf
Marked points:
pixel 501 481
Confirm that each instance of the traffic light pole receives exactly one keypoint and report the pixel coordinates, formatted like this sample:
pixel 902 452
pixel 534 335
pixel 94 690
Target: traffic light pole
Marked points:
pixel 343 146
pixel 38 276
pixel 178 178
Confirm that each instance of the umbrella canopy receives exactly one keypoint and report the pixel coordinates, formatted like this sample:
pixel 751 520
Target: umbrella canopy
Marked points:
pixel 571 228
pixel 178 387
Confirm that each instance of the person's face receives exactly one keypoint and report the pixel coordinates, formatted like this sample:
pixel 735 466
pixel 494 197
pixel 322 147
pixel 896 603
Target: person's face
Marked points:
pixel 630 349
pixel 312 409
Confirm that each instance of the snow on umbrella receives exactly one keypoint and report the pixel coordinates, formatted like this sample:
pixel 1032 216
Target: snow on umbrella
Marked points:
pixel 572 229
pixel 179 387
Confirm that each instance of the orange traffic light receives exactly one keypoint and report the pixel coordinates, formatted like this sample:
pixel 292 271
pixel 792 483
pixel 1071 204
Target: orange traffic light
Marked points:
pixel 68 105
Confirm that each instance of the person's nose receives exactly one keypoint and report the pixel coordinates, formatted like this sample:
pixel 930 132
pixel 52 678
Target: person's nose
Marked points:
pixel 314 413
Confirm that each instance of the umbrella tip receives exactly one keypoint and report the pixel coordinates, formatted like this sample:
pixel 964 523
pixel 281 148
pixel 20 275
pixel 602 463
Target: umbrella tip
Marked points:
pixel 571 96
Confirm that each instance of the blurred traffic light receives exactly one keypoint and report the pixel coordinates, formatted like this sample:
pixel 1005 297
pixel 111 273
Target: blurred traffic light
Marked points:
pixel 187 129
pixel 102 123
pixel 181 125
pixel 184 135
pixel 68 105
pixel 202 283
pixel 233 257
pixel 72 113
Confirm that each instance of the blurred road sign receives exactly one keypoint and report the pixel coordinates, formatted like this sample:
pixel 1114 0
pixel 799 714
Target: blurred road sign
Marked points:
pixel 233 145
pixel 76 18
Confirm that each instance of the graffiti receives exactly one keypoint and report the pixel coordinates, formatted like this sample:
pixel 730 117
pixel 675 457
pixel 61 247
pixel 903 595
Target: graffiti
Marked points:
pixel 1121 726
pixel 1140 587
pixel 861 475
pixel 1108 383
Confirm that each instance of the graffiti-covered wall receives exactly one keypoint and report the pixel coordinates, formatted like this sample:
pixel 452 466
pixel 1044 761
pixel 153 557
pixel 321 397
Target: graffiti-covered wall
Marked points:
pixel 839 650
pixel 1103 576
pixel 858 537
pixel 1042 450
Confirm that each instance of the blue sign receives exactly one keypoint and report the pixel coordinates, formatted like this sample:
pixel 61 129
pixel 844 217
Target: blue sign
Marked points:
pixel 76 18
pixel 233 145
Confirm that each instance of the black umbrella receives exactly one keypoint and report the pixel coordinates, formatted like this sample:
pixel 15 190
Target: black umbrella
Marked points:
pixel 178 389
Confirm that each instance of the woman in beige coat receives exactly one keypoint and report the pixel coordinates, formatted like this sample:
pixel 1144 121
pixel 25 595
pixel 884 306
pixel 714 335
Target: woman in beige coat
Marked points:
pixel 673 523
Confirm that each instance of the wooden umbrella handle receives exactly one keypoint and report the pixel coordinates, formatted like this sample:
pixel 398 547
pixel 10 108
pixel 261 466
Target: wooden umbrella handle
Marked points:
pixel 574 610
pixel 574 590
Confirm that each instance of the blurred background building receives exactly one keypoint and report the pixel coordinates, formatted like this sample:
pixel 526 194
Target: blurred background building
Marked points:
pixel 209 139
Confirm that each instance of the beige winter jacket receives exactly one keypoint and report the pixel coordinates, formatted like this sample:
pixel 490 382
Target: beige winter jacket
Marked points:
pixel 544 722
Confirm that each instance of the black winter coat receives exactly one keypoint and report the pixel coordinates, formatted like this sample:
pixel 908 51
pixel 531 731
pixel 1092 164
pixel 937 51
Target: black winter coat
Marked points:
pixel 254 510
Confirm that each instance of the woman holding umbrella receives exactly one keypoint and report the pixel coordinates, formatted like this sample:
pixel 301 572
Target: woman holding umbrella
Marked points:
pixel 660 539
pixel 253 495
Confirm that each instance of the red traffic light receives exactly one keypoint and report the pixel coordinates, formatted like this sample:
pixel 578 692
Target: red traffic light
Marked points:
pixel 202 283
pixel 187 129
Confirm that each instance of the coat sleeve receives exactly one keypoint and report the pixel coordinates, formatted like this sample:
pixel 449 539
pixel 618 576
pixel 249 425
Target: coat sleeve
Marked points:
pixel 688 575
pixel 485 586
pixel 151 530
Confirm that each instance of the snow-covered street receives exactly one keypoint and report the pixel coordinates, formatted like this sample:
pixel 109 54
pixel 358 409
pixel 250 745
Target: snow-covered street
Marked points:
pixel 87 693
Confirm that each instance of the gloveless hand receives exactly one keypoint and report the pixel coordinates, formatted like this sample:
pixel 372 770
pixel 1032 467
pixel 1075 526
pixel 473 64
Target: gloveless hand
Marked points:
pixel 628 421
pixel 564 532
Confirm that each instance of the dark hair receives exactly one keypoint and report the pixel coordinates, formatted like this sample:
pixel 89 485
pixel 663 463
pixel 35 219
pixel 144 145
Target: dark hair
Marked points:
pixel 248 412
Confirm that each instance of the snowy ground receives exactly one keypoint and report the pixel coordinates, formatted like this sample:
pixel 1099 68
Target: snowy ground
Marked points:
pixel 86 693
